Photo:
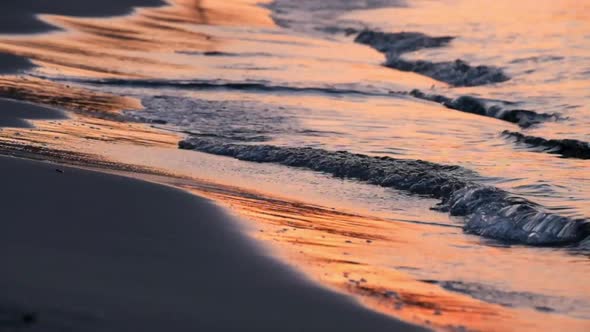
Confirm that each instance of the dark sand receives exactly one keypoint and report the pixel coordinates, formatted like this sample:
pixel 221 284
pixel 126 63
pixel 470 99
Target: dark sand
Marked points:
pixel 13 64
pixel 86 251
pixel 18 16
pixel 15 113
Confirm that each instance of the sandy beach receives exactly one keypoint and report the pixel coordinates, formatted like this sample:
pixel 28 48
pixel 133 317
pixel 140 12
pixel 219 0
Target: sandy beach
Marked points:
pixel 89 251
pixel 86 251
pixel 281 165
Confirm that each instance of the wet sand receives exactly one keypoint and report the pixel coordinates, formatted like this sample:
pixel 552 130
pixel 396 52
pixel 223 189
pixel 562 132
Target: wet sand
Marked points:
pixel 15 113
pixel 87 251
pixel 396 257
pixel 19 16
pixel 12 64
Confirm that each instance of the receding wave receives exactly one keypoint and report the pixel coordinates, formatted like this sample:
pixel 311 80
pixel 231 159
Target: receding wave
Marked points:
pixel 456 73
pixel 238 120
pixel 256 86
pixel 494 109
pixel 509 298
pixel 490 212
pixel 491 108
pixel 569 148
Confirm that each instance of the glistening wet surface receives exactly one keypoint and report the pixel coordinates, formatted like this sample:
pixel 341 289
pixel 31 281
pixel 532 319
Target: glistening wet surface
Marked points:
pixel 332 157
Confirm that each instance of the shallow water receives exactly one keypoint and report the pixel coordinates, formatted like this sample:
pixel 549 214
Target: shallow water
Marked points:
pixel 227 73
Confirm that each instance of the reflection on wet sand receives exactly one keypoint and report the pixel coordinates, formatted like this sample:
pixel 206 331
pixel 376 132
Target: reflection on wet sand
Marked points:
pixel 74 99
pixel 104 46
pixel 350 252
pixel 94 116
pixel 345 251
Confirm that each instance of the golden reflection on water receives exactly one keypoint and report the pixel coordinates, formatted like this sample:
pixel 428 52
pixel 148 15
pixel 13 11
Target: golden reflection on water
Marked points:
pixel 75 99
pixel 94 116
pixel 346 251
pixel 129 47
pixel 105 47
pixel 350 252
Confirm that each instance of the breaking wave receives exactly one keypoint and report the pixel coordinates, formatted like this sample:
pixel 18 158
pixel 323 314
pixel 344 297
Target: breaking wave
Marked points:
pixel 488 211
pixel 568 148
pixel 490 108
pixel 456 73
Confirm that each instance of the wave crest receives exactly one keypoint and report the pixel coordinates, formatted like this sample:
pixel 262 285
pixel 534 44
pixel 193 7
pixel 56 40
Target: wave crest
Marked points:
pixel 489 211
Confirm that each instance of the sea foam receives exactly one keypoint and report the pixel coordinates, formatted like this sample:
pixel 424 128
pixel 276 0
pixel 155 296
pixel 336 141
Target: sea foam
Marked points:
pixel 488 211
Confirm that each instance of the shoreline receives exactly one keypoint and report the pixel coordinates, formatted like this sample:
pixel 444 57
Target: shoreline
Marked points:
pixel 396 258
pixel 387 292
pixel 123 254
